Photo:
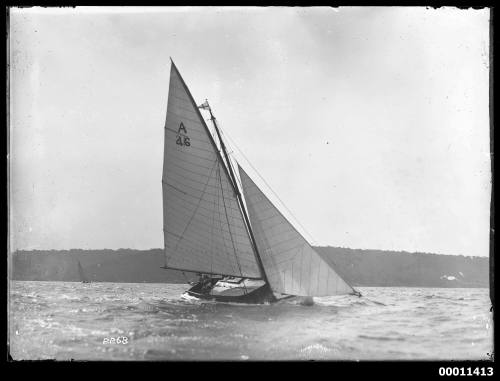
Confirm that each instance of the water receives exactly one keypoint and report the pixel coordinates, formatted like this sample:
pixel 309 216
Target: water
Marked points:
pixel 67 320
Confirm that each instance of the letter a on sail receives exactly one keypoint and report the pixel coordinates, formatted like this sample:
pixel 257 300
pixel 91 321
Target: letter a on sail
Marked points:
pixel 291 264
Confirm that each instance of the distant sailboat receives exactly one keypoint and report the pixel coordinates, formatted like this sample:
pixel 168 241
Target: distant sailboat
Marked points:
pixel 239 243
pixel 83 278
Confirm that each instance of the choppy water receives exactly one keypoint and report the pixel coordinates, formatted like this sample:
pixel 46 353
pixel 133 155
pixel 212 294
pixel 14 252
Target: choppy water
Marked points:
pixel 67 320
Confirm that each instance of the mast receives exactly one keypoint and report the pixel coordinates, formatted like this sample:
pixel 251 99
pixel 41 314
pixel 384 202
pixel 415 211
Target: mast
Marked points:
pixel 238 194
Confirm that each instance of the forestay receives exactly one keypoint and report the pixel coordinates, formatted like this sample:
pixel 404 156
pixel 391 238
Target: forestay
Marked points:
pixel 204 229
pixel 291 264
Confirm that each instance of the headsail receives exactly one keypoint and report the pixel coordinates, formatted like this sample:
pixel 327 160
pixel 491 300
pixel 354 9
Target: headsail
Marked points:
pixel 291 264
pixel 204 229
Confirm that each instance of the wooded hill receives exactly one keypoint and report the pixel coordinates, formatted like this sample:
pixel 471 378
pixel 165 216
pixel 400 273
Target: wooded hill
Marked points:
pixel 358 267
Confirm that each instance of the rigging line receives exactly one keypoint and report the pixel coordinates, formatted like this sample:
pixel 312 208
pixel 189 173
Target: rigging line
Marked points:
pixel 189 170
pixel 199 224
pixel 221 195
pixel 267 184
pixel 268 248
pixel 229 227
pixel 185 159
pixel 196 264
pixel 230 234
pixel 180 177
pixel 175 147
pixel 211 244
pixel 219 219
pixel 239 197
pixel 194 212
pixel 193 196
pixel 211 240
pixel 169 176
pixel 229 163
pixel 198 244
pixel 271 189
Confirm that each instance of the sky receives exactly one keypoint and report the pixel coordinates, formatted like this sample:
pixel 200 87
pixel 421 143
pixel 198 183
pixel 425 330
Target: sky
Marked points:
pixel 371 124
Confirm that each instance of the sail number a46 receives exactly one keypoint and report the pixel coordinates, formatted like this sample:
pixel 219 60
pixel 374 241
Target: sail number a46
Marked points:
pixel 182 138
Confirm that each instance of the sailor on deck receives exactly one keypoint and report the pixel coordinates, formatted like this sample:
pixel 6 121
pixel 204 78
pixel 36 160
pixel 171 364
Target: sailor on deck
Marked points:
pixel 206 283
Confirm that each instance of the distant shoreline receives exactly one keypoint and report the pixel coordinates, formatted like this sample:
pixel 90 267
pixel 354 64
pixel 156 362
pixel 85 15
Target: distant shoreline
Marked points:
pixel 362 268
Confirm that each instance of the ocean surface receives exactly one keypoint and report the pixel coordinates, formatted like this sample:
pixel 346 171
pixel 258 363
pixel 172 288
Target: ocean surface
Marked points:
pixel 69 320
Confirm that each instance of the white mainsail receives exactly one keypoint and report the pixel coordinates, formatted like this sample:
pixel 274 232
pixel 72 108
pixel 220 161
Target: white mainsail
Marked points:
pixel 204 229
pixel 291 264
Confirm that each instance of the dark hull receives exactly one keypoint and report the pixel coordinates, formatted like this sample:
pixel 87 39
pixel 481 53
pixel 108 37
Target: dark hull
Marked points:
pixel 260 295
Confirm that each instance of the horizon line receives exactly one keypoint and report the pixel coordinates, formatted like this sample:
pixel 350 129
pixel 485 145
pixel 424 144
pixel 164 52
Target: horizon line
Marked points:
pixel 314 246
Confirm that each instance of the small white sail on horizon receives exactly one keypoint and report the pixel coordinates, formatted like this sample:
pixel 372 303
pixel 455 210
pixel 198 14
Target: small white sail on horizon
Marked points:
pixel 81 274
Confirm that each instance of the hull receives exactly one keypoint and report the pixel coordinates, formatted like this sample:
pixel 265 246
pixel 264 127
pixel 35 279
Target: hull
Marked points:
pixel 238 294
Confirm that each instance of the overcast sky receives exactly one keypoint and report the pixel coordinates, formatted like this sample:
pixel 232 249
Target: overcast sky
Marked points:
pixel 371 124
